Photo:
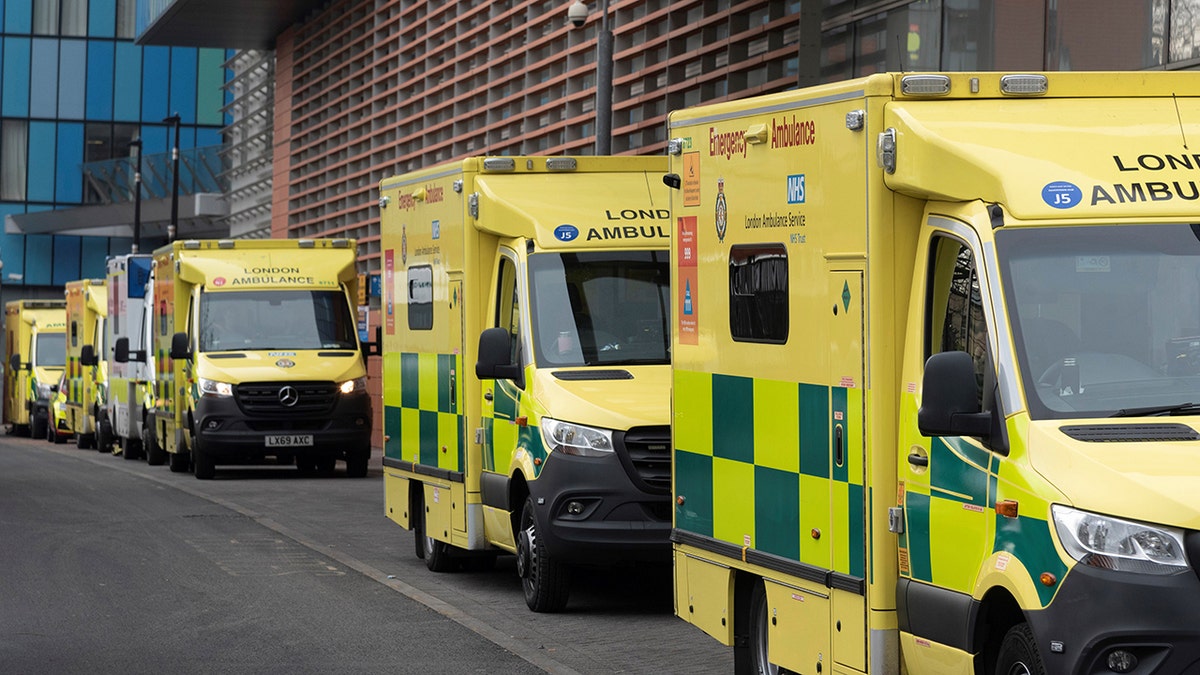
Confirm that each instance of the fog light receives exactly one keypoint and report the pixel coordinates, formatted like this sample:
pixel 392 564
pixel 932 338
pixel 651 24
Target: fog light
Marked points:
pixel 1121 661
pixel 211 424
pixel 576 508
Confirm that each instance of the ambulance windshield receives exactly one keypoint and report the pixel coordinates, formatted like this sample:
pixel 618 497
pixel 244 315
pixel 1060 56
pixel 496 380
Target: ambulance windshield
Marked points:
pixel 1106 320
pixel 254 320
pixel 600 308
pixel 52 350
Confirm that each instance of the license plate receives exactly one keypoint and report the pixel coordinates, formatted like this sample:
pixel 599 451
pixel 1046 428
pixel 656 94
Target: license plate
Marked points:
pixel 289 440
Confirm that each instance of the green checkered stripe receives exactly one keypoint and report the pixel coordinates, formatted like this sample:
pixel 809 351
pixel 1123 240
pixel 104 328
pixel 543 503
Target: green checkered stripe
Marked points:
pixel 422 416
pixel 754 466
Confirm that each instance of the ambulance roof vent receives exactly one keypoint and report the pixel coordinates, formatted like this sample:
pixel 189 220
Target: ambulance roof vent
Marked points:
pixel 925 85
pixel 306 243
pixel 1023 85
pixel 339 243
pixel 225 243
pixel 191 244
pixel 561 164
pixel 499 164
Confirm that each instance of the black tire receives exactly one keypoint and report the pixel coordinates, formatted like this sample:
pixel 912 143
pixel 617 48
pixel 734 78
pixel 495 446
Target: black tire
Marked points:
pixel 437 553
pixel 202 461
pixel 155 455
pixel 104 434
pixel 546 581
pixel 179 461
pixel 357 462
pixel 1019 654
pixel 37 427
pixel 759 634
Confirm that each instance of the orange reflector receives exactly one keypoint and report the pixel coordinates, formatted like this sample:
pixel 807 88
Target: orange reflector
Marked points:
pixel 1048 579
pixel 1007 508
pixel 522 421
pixel 679 500
pixel 537 461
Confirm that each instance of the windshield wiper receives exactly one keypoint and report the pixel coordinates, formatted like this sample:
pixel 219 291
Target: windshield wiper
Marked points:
pixel 1176 409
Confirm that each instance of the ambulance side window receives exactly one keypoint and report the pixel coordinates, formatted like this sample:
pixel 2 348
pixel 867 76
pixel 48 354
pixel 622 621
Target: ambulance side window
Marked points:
pixel 758 293
pixel 74 334
pixel 508 304
pixel 954 308
pixel 420 298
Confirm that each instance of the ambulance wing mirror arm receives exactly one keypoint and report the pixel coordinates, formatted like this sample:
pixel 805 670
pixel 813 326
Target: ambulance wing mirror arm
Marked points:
pixel 180 346
pixel 950 404
pixel 495 357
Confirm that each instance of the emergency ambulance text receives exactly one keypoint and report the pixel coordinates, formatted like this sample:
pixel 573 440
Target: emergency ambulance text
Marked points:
pixel 726 144
pixel 628 232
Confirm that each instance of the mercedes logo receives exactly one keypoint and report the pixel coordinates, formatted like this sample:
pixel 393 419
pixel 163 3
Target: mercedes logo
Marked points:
pixel 288 396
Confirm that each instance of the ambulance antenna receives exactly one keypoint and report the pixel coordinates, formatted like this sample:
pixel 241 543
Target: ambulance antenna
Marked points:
pixel 1178 116
pixel 900 54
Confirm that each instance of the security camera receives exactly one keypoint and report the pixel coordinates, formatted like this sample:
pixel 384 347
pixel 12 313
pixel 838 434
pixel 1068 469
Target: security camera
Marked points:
pixel 577 13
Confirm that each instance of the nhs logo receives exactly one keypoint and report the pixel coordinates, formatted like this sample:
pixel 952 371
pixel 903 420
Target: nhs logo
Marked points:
pixel 795 188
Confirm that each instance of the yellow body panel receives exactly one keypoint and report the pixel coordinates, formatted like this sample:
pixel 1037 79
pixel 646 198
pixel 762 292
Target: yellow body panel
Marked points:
pixel 87 308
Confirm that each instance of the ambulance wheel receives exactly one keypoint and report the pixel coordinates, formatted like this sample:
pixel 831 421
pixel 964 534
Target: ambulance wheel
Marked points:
pixel 38 428
pixel 202 461
pixel 759 641
pixel 104 435
pixel 357 462
pixel 155 455
pixel 178 461
pixel 546 581
pixel 54 436
pixel 1019 654
pixel 437 554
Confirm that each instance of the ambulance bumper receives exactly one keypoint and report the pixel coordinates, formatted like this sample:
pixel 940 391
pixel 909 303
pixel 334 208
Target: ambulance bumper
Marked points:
pixel 229 435
pixel 589 511
pixel 1100 614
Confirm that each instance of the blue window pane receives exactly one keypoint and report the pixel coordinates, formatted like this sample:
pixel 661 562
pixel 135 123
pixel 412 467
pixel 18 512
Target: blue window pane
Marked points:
pixel 69 183
pixel 92 263
pixel 16 78
pixel 156 71
pixel 206 137
pixel 72 78
pixel 41 162
pixel 154 140
pixel 18 17
pixel 127 90
pixel 100 80
pixel 38 249
pixel 102 18
pixel 13 248
pixel 43 99
pixel 66 259
pixel 183 83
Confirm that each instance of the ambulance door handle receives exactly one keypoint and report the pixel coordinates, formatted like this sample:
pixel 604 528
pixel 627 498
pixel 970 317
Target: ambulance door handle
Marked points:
pixel 839 448
pixel 917 459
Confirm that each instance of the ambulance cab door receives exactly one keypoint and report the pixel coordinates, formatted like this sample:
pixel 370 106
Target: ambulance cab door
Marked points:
pixel 945 479
pixel 502 397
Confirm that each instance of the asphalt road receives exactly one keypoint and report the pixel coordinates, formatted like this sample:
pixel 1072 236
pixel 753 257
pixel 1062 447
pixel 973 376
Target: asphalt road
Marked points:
pixel 111 565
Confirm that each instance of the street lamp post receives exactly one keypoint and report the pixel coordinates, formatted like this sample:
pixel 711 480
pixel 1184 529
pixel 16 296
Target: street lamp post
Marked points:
pixel 173 228
pixel 137 196
pixel 578 12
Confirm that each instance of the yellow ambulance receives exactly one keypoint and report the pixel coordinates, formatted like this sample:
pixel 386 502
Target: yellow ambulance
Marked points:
pixel 257 355
pixel 937 374
pixel 87 373
pixel 526 371
pixel 35 355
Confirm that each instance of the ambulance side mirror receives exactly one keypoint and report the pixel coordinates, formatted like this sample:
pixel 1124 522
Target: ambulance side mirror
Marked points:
pixel 122 353
pixel 14 363
pixel 87 356
pixel 180 347
pixel 949 403
pixel 495 350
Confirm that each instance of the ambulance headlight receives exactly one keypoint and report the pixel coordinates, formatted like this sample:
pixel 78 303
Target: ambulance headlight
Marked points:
pixel 576 439
pixel 1122 545
pixel 214 388
pixel 358 384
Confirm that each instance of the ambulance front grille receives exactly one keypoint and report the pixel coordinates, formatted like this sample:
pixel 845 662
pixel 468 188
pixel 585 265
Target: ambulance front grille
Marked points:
pixel 648 451
pixel 276 398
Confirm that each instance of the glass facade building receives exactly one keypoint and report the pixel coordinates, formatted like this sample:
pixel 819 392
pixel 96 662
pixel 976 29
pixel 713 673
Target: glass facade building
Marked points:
pixel 74 88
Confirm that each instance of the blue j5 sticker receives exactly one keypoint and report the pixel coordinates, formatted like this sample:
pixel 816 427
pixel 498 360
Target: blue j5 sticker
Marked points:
pixel 566 233
pixel 1062 195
